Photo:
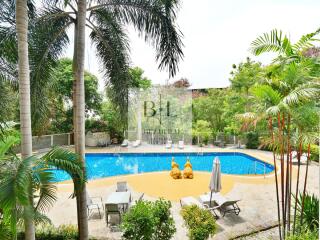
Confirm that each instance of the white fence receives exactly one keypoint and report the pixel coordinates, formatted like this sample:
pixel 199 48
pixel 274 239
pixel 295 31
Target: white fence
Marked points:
pixel 48 141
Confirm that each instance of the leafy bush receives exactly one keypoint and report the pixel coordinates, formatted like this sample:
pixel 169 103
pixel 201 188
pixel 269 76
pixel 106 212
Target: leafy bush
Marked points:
pixel 49 232
pixel 310 217
pixel 202 130
pixel 149 220
pixel 93 125
pixel 307 235
pixel 252 140
pixel 200 222
pixel 314 152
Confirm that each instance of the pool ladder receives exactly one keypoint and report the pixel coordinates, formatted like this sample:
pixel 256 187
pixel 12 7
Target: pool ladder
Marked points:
pixel 255 168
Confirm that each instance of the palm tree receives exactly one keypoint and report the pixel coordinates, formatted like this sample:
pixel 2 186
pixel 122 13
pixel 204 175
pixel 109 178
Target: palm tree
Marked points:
pixel 291 85
pixel 18 176
pixel 24 91
pixel 106 21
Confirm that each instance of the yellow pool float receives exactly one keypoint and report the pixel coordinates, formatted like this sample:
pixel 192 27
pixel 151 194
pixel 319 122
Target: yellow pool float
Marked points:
pixel 175 171
pixel 187 172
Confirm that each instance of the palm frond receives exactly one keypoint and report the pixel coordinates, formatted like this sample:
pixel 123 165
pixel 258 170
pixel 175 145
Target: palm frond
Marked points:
pixel 269 42
pixel 112 47
pixel 67 161
pixel 306 41
pixel 155 20
pixel 302 93
pixel 267 94
pixel 48 39
pixel 44 185
pixel 15 185
pixel 6 144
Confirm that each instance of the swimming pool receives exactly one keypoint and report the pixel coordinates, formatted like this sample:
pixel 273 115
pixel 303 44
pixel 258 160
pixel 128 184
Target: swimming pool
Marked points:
pixel 100 165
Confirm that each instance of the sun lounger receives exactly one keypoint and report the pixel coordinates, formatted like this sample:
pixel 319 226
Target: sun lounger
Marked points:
pixel 125 143
pixel 221 203
pixel 137 143
pixel 181 145
pixel 169 144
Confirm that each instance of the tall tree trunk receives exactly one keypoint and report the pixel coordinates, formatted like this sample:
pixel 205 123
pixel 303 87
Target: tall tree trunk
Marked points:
pixel 305 185
pixel 280 127
pixel 74 101
pixel 24 94
pixel 276 177
pixel 299 153
pixel 80 115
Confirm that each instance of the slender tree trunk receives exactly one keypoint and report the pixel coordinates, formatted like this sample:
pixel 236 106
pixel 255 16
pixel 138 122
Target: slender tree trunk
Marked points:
pixel 305 185
pixel 74 84
pixel 276 176
pixel 288 192
pixel 24 94
pixel 297 187
pixel 280 126
pixel 74 100
pixel 80 115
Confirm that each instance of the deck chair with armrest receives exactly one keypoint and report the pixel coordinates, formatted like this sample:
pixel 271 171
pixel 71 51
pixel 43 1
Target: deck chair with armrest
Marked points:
pixel 122 187
pixel 94 205
pixel 112 209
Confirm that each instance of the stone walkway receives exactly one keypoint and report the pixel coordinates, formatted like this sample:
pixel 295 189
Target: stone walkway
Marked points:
pixel 258 207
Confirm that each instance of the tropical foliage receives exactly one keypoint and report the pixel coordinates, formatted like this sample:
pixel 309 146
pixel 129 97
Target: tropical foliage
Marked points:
pixel 18 177
pixel 149 220
pixel 310 213
pixel 199 221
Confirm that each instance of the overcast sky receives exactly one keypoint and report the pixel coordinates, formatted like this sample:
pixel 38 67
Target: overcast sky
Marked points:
pixel 218 34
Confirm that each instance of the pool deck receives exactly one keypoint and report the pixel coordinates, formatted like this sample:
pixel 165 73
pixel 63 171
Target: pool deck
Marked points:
pixel 257 193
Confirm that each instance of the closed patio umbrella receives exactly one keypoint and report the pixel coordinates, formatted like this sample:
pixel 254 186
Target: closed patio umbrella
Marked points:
pixel 215 180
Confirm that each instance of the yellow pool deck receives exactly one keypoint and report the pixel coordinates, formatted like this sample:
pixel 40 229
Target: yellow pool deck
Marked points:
pixel 160 184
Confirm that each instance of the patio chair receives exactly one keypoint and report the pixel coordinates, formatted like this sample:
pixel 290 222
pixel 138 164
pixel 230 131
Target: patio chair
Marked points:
pixel 112 209
pixel 169 144
pixel 188 201
pixel 181 145
pixel 91 205
pixel 137 143
pixel 122 187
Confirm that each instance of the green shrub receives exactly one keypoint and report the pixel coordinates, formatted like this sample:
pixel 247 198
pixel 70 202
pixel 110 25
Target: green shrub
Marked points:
pixel 149 220
pixel 252 140
pixel 314 152
pixel 49 232
pixel 307 235
pixel 310 215
pixel 93 125
pixel 200 222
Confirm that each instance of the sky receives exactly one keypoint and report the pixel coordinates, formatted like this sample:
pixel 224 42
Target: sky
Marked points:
pixel 218 34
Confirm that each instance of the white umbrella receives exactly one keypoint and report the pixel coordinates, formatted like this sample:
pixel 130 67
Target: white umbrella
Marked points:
pixel 215 180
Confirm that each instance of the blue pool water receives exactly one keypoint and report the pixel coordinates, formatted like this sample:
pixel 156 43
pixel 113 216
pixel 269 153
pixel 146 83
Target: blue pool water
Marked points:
pixel 101 165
